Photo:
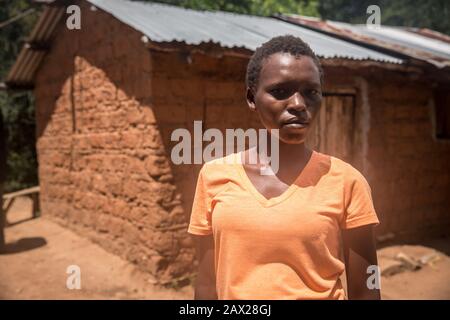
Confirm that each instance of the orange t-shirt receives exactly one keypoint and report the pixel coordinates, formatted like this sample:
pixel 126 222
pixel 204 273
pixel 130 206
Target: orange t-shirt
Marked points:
pixel 286 247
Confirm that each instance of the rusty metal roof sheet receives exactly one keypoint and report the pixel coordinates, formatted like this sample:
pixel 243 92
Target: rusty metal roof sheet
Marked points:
pixel 166 23
pixel 426 45
pixel 33 52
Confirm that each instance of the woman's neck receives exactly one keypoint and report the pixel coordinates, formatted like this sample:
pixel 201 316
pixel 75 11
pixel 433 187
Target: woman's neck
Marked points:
pixel 287 152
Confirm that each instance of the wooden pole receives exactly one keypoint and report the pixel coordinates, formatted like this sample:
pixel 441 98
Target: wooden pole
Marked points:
pixel 2 219
pixel 2 179
pixel 36 210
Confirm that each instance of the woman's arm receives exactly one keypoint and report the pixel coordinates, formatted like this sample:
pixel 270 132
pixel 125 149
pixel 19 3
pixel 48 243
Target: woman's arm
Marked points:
pixel 360 253
pixel 205 286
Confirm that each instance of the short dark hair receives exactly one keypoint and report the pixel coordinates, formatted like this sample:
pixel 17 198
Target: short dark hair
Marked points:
pixel 287 43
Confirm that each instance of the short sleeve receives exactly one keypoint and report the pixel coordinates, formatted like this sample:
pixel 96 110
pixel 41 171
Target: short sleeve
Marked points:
pixel 358 208
pixel 200 221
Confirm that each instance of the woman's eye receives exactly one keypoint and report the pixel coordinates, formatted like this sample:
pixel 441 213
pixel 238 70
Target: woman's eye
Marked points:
pixel 314 93
pixel 282 94
pixel 279 93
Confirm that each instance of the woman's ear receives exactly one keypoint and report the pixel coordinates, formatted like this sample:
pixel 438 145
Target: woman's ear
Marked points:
pixel 250 99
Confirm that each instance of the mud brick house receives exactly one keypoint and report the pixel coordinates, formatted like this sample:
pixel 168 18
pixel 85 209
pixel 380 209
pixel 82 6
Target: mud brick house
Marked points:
pixel 109 95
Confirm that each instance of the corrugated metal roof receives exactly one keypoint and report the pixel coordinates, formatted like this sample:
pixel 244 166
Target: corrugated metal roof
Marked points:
pixel 426 46
pixel 165 23
pixel 32 53
pixel 430 34
pixel 406 39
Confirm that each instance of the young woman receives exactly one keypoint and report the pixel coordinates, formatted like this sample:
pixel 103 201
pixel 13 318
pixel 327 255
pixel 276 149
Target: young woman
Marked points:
pixel 292 234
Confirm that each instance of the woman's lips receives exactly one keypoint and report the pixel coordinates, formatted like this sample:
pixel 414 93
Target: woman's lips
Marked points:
pixel 296 125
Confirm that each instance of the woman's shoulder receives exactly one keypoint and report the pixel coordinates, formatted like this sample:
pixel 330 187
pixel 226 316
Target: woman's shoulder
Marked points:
pixel 343 168
pixel 221 167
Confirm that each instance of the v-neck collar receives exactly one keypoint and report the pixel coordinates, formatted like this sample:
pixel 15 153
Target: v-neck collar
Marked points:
pixel 304 174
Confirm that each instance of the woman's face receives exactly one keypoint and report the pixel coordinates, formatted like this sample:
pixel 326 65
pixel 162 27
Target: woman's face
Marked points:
pixel 288 95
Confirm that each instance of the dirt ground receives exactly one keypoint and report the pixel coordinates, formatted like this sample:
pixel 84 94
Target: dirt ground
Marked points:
pixel 431 281
pixel 39 251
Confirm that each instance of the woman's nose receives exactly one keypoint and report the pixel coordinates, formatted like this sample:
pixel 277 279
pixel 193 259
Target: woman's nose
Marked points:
pixel 297 103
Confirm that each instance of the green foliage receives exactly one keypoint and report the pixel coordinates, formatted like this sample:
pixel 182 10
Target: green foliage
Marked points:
pixel 268 7
pixel 13 35
pixel 17 108
pixel 254 7
pixel 434 14
pixel 426 14
pixel 21 164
